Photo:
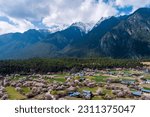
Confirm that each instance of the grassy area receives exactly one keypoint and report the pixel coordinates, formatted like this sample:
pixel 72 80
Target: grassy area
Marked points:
pixel 100 78
pixel 97 98
pixel 147 77
pixel 60 79
pixel 77 77
pixel 57 78
pixel 127 71
pixel 147 88
pixel 127 78
pixel 109 92
pixel 88 89
pixel 89 77
pixel 133 90
pixel 13 94
pixel 25 90
pixel 58 92
pixel 61 75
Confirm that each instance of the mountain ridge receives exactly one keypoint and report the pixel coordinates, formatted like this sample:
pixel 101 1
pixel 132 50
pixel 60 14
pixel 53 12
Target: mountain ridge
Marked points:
pixel 117 37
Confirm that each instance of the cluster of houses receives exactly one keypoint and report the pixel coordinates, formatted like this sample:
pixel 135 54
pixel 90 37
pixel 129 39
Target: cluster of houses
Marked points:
pixel 40 87
pixel 3 94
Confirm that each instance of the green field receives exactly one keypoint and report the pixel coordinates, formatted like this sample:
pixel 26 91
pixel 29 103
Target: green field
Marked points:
pixel 88 89
pixel 13 94
pixel 25 90
pixel 100 78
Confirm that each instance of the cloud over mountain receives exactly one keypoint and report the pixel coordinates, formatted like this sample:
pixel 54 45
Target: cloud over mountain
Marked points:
pixel 22 15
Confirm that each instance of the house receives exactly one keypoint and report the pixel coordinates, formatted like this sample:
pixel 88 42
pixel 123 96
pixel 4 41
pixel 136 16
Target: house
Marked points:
pixel 87 94
pixel 145 90
pixel 81 74
pixel 147 70
pixel 74 94
pixel 137 93
pixel 127 82
pixel 147 81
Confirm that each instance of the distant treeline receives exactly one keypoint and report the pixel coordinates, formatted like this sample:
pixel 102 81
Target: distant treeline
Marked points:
pixel 44 65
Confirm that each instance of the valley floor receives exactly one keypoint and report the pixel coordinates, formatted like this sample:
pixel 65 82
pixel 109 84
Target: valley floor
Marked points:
pixel 88 84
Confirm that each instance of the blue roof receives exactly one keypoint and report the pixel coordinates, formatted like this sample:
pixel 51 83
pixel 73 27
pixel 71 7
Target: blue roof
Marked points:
pixel 137 93
pixel 87 93
pixel 145 90
pixel 74 94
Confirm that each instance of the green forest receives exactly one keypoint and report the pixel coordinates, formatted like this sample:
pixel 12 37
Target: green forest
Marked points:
pixel 44 65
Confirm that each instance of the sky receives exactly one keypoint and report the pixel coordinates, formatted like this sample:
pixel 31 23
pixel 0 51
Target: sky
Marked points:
pixel 21 15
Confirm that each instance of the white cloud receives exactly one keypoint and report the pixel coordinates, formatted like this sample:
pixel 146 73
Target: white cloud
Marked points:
pixel 6 27
pixel 78 10
pixel 26 9
pixel 52 13
pixel 15 26
pixel 134 3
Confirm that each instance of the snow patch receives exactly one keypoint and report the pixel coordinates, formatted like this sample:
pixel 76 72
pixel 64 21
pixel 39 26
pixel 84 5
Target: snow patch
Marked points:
pixel 56 28
pixel 85 27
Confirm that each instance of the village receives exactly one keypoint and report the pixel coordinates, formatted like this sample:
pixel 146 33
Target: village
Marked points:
pixel 87 84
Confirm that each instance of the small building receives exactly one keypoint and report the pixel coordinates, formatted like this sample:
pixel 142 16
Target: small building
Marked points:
pixel 147 70
pixel 128 82
pixel 145 90
pixel 137 93
pixel 87 94
pixel 74 94
pixel 147 81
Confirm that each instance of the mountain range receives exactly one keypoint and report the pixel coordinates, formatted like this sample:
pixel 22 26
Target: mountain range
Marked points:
pixel 117 37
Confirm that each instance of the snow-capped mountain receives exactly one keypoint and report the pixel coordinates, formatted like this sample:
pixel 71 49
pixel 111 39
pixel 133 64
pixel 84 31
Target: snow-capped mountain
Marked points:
pixel 100 21
pixel 85 27
pixel 118 37
pixel 56 28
